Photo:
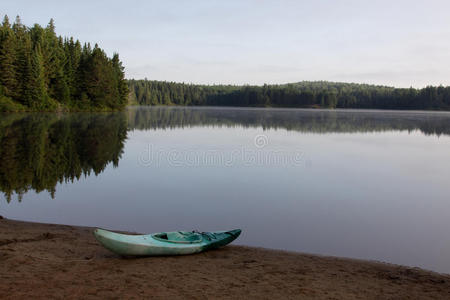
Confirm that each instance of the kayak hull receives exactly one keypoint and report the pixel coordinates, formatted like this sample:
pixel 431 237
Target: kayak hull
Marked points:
pixel 152 245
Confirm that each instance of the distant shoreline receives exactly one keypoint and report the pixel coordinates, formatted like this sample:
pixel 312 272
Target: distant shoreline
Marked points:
pixel 282 108
pixel 304 94
pixel 96 110
pixel 49 260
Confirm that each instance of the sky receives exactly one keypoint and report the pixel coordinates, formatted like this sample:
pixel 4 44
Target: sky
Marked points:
pixel 396 43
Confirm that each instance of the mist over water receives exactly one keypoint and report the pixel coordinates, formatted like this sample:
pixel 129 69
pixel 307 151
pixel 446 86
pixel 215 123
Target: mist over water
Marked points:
pixel 363 184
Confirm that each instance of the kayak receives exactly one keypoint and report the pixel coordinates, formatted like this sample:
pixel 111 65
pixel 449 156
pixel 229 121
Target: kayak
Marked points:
pixel 164 243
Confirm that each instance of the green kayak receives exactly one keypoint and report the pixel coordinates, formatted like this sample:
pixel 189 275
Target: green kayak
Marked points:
pixel 164 243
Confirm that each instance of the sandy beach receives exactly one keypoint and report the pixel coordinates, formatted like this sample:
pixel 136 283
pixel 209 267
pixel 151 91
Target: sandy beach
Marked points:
pixel 58 261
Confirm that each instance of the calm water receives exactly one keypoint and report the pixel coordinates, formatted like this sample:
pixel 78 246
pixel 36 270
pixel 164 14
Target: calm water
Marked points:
pixel 363 184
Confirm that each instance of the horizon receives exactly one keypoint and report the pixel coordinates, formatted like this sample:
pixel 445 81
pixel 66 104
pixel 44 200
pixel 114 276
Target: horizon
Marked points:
pixel 261 42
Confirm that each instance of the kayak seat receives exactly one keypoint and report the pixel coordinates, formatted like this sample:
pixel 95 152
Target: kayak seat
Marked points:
pixel 180 237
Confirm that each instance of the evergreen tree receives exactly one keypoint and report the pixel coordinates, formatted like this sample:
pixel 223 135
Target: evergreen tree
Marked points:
pixel 23 51
pixel 40 70
pixel 119 72
pixel 301 94
pixel 8 75
pixel 38 89
pixel 100 81
pixel 26 72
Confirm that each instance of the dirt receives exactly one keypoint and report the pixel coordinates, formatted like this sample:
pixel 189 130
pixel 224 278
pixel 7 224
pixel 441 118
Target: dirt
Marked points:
pixel 58 261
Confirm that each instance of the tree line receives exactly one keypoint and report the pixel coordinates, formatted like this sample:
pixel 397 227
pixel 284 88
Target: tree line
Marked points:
pixel 320 94
pixel 42 71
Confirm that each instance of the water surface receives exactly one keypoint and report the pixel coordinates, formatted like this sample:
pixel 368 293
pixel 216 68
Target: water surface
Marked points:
pixel 362 184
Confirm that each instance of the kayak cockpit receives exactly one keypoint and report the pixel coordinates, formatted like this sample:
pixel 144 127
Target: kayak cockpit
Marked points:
pixel 179 237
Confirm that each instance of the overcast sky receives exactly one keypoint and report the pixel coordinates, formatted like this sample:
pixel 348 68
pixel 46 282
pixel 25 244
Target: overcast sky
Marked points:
pixel 398 43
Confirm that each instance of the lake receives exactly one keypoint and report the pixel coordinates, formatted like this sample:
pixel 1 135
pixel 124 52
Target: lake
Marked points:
pixel 353 183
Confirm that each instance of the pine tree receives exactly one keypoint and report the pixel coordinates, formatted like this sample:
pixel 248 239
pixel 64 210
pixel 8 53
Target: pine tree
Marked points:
pixel 120 79
pixel 22 63
pixel 38 89
pixel 59 88
pixel 26 71
pixel 99 80
pixel 40 70
pixel 8 74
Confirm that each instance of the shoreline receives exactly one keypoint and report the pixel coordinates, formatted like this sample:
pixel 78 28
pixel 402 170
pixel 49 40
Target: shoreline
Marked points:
pixel 279 108
pixel 288 108
pixel 63 261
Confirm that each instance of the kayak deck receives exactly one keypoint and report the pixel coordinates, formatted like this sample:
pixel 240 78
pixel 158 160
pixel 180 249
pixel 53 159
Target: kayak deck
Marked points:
pixel 183 237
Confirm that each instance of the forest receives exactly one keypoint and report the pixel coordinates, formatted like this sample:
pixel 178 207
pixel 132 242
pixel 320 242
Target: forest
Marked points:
pixel 41 71
pixel 319 94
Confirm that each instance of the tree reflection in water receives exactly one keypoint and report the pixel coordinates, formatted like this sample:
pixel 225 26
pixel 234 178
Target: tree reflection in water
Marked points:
pixel 40 150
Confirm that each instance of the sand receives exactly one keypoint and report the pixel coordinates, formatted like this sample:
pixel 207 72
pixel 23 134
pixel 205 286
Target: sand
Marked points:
pixel 57 261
